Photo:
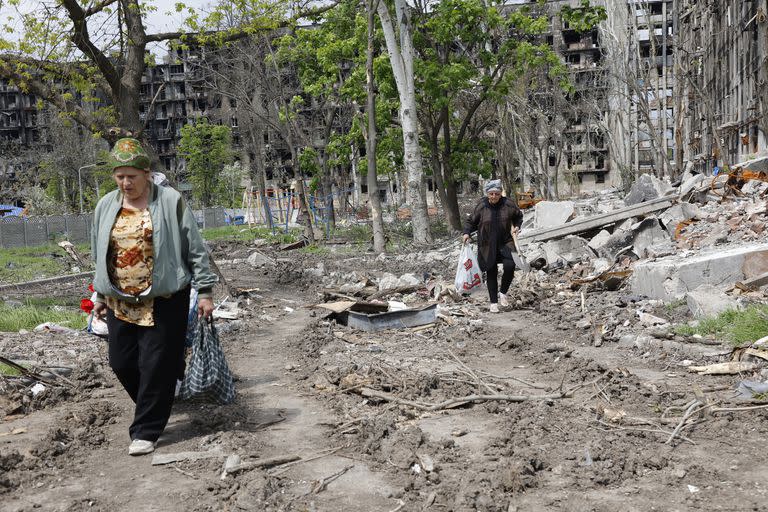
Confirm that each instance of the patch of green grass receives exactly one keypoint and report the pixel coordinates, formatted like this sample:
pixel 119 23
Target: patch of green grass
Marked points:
pixel 670 307
pixel 249 234
pixel 8 371
pixel 737 327
pixel 28 317
pixel 21 264
pixel 356 233
pixel 315 249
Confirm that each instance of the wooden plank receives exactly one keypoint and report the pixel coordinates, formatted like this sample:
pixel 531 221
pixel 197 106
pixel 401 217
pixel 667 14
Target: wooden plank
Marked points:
pixel 755 282
pixel 596 221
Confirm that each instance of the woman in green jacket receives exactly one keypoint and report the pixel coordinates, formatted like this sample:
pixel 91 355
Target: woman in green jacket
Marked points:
pixel 148 252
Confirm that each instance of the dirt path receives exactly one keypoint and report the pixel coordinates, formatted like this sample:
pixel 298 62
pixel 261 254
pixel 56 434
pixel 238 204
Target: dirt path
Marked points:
pixel 99 475
pixel 299 381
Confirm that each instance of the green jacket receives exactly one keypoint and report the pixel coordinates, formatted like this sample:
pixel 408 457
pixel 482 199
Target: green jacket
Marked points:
pixel 180 258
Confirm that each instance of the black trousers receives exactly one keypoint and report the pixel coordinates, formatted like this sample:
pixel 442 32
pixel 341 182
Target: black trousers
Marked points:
pixel 492 275
pixel 148 360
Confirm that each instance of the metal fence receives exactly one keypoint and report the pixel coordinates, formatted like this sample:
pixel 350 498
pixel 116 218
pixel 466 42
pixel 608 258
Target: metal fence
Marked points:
pixel 34 231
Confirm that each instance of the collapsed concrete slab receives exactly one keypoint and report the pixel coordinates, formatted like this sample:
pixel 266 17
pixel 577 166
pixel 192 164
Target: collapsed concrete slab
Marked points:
pixel 646 188
pixel 549 214
pixel 648 233
pixel 754 187
pixel 599 240
pixel 692 183
pixel 583 225
pixel 678 213
pixel 670 278
pixel 567 251
pixel 708 300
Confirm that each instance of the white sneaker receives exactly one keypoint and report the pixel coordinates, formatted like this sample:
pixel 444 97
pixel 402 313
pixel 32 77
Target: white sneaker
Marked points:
pixel 503 302
pixel 494 308
pixel 141 447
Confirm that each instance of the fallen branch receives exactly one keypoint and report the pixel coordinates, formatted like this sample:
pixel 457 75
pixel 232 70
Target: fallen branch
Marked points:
pixel 654 431
pixel 33 375
pixel 516 379
pixel 320 485
pixel 262 463
pixel 478 380
pixel 688 413
pixel 187 473
pixel 739 409
pixel 453 402
pixel 275 471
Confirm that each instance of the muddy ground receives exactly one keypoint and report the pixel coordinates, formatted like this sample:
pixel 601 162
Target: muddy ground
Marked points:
pixel 569 420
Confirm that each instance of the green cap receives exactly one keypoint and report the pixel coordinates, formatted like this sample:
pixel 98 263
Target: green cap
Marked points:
pixel 128 152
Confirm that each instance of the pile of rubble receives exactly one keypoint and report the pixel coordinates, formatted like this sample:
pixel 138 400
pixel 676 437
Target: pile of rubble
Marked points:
pixel 672 240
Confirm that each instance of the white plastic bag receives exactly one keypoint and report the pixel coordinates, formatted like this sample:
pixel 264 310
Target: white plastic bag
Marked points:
pixel 467 271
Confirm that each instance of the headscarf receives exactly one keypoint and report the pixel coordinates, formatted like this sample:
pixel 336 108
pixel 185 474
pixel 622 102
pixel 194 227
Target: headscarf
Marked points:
pixel 493 185
pixel 128 152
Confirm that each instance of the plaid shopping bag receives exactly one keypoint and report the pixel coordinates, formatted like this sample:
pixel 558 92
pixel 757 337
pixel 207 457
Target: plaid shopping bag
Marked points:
pixel 207 373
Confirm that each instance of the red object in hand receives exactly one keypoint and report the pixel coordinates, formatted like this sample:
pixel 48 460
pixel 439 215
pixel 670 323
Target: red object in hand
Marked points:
pixel 86 305
pixel 90 288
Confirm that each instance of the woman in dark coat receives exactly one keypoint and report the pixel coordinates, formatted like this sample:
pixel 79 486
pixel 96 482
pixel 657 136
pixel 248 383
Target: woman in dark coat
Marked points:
pixel 494 218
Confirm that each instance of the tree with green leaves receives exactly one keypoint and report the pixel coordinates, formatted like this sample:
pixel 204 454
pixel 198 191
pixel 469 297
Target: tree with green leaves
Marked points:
pixel 207 149
pixel 231 177
pixel 73 53
pixel 472 59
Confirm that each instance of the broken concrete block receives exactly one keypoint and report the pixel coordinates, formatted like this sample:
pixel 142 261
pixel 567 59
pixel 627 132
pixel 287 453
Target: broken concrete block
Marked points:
pixel 708 300
pixel 529 220
pixel 535 255
pixel 599 240
pixel 648 233
pixel 691 183
pixel 616 243
pixel 671 277
pixel 661 250
pixel 754 187
pixel 259 260
pixel 388 281
pixel 550 214
pixel 409 280
pixel 600 265
pixel 677 214
pixel 649 320
pixel 718 234
pixel 646 187
pixel 567 250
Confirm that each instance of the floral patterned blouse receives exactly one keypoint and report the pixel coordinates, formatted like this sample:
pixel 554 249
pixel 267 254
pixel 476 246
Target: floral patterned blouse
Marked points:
pixel 130 263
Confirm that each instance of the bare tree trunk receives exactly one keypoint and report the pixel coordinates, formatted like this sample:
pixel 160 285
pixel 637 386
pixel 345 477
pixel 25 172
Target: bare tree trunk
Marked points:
pixel 377 224
pixel 451 204
pixel 401 59
pixel 303 200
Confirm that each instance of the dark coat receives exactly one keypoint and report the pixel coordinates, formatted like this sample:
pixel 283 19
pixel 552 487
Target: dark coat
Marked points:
pixel 493 224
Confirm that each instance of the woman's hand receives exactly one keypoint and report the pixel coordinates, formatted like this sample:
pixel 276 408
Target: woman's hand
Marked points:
pixel 204 308
pixel 465 239
pixel 515 230
pixel 99 310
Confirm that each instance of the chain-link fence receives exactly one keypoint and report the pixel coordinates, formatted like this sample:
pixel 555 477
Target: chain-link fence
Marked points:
pixel 34 231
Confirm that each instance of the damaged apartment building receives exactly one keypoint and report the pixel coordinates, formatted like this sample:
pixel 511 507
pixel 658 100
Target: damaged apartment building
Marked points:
pixel 660 86
pixel 723 54
pixel 674 84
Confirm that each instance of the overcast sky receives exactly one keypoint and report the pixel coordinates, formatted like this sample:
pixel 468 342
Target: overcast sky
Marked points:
pixel 164 19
